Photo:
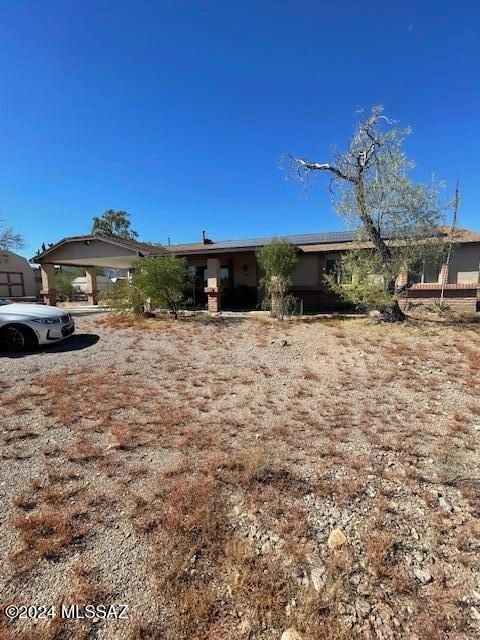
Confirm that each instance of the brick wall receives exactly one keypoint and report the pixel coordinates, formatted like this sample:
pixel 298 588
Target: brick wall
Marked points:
pixel 461 297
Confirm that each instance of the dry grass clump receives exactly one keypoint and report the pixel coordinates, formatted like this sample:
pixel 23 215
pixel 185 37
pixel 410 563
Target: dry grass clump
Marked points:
pixel 126 321
pixel 380 552
pixel 210 579
pixel 45 533
pixel 85 397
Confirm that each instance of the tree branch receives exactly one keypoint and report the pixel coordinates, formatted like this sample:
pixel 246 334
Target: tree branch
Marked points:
pixel 317 166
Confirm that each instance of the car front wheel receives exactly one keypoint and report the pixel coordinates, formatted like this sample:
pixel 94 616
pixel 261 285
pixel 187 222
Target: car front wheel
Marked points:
pixel 14 339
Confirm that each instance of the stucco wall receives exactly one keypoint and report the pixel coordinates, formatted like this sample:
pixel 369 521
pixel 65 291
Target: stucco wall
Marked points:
pixel 14 264
pixel 76 250
pixel 245 271
pixel 464 264
pixel 307 271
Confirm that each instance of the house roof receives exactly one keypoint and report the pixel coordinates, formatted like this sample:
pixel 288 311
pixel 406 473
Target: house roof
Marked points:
pixel 308 242
pixel 223 246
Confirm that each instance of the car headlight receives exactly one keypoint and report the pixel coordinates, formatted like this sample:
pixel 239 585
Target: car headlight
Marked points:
pixel 47 320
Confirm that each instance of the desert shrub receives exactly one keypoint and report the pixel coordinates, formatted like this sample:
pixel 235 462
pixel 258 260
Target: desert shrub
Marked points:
pixel 124 296
pixel 277 261
pixel 161 281
pixel 64 283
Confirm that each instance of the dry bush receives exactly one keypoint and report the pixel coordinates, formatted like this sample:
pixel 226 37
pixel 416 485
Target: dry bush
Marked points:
pixel 200 564
pixel 309 374
pixel 122 437
pixel 380 548
pixel 347 488
pixel 45 533
pixel 102 394
pixel 83 450
pixel 129 321
pixel 188 548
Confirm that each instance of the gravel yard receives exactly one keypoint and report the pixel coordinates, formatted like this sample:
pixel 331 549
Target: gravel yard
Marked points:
pixel 239 478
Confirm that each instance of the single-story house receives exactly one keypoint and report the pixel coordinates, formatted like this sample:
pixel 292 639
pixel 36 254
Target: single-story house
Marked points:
pixel 17 278
pixel 225 274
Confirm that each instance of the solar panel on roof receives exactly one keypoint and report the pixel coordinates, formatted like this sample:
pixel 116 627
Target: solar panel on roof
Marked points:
pixel 306 238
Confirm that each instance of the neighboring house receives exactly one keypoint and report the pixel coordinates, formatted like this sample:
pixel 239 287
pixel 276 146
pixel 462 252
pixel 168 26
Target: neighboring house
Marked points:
pixel 80 284
pixel 225 274
pixel 17 278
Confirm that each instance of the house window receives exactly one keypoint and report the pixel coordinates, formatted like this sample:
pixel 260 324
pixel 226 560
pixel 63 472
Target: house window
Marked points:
pixel 224 275
pixel 425 272
pixel 333 268
pixel 197 275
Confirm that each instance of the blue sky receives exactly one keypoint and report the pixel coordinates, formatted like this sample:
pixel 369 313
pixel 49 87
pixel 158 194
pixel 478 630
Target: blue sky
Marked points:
pixel 178 111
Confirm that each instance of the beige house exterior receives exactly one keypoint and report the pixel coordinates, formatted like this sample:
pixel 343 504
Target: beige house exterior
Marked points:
pixel 225 274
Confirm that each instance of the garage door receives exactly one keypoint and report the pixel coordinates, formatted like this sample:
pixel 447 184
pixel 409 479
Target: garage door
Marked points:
pixel 11 284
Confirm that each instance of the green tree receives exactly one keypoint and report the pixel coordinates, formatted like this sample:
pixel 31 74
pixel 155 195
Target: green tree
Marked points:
pixel 161 280
pixel 124 296
pixel 9 239
pixel 64 282
pixel 373 192
pixel 114 223
pixel 277 261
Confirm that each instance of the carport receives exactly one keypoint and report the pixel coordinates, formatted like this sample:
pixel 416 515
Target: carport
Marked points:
pixel 90 252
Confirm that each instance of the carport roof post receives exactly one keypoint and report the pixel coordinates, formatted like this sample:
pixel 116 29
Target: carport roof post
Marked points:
pixel 48 291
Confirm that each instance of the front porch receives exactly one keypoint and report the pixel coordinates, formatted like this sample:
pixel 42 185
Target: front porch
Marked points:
pixel 89 252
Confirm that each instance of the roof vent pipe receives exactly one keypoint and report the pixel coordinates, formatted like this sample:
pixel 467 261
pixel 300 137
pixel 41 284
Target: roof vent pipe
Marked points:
pixel 206 240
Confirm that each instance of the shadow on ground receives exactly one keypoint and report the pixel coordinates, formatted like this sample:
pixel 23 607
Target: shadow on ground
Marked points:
pixel 73 343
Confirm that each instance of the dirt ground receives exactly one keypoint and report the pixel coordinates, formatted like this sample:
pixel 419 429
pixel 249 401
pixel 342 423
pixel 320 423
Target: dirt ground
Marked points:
pixel 236 478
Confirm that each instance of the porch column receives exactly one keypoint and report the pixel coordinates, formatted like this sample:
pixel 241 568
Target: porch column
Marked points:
pixel 213 285
pixel 402 279
pixel 48 290
pixel 443 275
pixel 92 292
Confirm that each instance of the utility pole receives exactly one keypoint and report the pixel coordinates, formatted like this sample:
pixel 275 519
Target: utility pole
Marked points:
pixel 452 232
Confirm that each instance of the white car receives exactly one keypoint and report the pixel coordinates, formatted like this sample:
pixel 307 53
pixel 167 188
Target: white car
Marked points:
pixel 25 326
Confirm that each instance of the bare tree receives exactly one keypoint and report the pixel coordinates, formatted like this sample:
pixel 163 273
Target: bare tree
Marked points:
pixel 373 192
pixel 9 239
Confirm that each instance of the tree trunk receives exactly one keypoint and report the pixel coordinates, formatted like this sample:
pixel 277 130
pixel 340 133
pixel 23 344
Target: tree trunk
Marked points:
pixel 391 312
pixel 388 312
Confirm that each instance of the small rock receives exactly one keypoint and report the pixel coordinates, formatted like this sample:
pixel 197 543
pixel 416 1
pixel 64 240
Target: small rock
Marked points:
pixel 317 576
pixel 446 506
pixel 475 613
pixel 422 575
pixel 336 539
pixel 370 491
pixel 291 634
